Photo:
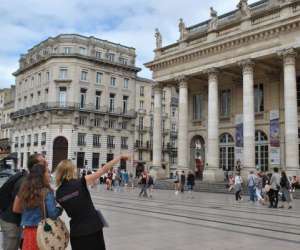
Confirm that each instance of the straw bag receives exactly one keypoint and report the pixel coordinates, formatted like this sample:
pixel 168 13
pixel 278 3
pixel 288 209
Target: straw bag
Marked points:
pixel 51 234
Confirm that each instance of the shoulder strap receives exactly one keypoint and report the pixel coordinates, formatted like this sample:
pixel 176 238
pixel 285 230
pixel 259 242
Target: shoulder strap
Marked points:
pixel 43 205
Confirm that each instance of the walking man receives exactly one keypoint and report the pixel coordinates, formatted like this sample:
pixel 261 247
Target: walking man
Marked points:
pixel 275 187
pixel 251 181
pixel 182 181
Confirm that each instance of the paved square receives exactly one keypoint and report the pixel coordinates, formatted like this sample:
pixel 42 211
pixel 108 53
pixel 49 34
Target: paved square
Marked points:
pixel 208 222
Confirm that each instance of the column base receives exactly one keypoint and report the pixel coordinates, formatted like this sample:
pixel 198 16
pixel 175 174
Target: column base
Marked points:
pixel 179 169
pixel 158 173
pixel 213 175
pixel 293 172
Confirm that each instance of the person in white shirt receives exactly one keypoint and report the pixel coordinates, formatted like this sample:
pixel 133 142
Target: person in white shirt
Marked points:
pixel 238 181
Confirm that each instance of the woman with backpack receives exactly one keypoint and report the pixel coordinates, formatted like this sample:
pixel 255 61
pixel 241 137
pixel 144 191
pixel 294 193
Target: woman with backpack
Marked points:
pixel 285 188
pixel 35 195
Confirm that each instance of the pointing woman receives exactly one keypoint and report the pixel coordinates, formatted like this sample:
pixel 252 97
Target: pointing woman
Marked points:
pixel 73 195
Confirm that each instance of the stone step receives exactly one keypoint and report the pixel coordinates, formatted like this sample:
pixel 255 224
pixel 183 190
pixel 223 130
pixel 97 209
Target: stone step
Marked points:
pixel 207 187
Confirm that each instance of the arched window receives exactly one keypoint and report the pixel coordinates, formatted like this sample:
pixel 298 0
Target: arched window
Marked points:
pixel 261 150
pixel 226 152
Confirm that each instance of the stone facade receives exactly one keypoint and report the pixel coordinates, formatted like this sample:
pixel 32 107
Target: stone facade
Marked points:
pixel 7 97
pixel 238 77
pixel 75 98
pixel 146 150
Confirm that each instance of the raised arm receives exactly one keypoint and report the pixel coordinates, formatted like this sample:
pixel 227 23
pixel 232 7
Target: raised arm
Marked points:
pixel 90 179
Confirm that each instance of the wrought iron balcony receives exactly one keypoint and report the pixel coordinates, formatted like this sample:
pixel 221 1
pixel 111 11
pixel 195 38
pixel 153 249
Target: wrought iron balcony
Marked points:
pixel 49 106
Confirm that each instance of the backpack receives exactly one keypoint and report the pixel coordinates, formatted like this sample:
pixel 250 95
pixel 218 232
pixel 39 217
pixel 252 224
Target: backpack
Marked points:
pixel 6 191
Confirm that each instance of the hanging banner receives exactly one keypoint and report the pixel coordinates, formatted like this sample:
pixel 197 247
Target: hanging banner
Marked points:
pixel 274 137
pixel 239 139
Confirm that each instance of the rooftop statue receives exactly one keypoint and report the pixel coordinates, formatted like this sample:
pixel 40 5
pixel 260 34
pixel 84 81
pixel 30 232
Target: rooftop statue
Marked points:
pixel 213 24
pixel 244 8
pixel 158 38
pixel 182 29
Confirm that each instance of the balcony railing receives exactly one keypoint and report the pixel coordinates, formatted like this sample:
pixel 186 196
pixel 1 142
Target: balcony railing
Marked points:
pixel 43 142
pixel 28 144
pixel 96 145
pixel 142 145
pixel 35 143
pixel 71 107
pixel 81 143
pixel 124 146
pixel 111 145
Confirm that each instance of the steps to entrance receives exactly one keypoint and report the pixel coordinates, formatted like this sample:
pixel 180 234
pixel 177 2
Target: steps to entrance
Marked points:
pixel 219 187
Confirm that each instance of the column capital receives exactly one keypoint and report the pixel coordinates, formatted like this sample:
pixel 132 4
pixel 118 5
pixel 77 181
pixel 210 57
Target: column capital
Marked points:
pixel 288 55
pixel 157 88
pixel 247 65
pixel 182 81
pixel 212 74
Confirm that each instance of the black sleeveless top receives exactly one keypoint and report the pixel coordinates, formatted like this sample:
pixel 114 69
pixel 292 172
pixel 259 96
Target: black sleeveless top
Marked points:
pixel 75 198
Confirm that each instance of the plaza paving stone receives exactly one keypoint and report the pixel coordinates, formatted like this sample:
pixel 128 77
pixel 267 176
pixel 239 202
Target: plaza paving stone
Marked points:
pixel 207 222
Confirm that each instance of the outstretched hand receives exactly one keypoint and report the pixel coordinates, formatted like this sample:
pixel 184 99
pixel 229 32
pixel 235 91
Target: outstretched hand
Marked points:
pixel 125 157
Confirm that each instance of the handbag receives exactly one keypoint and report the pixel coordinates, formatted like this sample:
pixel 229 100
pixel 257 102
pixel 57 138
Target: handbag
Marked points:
pixel 51 234
pixel 267 188
pixel 102 219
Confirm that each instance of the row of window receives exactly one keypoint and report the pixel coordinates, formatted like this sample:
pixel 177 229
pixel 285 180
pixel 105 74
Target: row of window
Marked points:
pixel 98 123
pixel 225 102
pixel 98 54
pixel 38 78
pixel 81 141
pixel 29 140
pixel 83 97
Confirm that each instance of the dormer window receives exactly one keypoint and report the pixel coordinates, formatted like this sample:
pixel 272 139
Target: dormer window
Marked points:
pixel 98 54
pixel 82 50
pixel 67 50
pixel 123 61
pixel 110 57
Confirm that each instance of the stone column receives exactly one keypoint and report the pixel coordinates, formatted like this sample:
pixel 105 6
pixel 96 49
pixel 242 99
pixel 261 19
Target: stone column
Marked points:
pixel 157 135
pixel 212 171
pixel 291 111
pixel 248 116
pixel 183 123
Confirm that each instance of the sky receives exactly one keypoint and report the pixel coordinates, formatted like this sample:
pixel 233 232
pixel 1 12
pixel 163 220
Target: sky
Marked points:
pixel 24 23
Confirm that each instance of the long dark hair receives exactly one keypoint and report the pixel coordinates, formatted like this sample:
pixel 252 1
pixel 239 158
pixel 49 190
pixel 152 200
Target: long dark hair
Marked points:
pixel 34 187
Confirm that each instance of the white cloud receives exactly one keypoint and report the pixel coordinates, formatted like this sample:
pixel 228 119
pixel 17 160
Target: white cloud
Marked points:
pixel 24 23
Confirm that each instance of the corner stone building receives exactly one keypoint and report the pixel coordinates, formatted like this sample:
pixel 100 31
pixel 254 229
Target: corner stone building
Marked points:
pixel 75 99
pixel 239 89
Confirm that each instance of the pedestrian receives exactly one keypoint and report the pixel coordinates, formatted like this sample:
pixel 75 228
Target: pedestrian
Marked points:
pixel 109 180
pixel 230 184
pixel 190 183
pixel 176 183
pixel 143 183
pixel 73 195
pixel 35 193
pixel 10 221
pixel 285 188
pixel 150 185
pixel 259 188
pixel 117 181
pixel 275 187
pixel 238 181
pixel 251 183
pixel 125 179
pixel 182 181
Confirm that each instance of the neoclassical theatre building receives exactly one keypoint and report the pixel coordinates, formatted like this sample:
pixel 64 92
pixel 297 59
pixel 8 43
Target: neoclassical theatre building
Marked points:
pixel 238 76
